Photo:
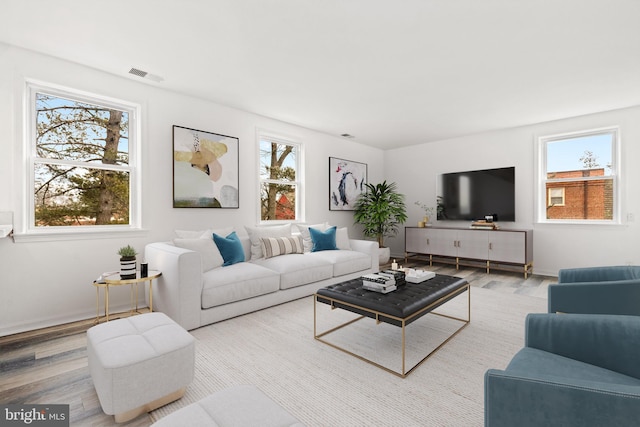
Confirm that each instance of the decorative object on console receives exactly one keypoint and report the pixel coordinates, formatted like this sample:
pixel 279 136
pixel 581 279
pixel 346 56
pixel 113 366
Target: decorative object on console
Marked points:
pixel 380 210
pixel 428 212
pixel 346 182
pixel 127 262
pixel 205 169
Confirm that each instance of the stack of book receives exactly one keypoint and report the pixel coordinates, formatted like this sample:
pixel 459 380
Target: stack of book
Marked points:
pixel 484 225
pixel 381 282
pixel 398 275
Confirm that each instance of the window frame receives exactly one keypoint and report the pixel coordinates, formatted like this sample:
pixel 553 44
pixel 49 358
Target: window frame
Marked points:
pixel 542 196
pixel 265 135
pixel 27 230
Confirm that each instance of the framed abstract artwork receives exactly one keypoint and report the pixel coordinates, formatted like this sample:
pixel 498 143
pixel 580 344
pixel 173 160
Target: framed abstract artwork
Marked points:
pixel 205 169
pixel 347 180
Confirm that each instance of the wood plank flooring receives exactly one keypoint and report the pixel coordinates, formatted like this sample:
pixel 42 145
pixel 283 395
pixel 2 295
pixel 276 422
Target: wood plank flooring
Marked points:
pixel 49 366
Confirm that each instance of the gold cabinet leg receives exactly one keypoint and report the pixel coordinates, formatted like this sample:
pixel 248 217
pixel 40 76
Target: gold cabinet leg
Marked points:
pixel 150 296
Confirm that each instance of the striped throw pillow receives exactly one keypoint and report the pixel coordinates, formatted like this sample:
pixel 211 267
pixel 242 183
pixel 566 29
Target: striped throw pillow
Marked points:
pixel 274 246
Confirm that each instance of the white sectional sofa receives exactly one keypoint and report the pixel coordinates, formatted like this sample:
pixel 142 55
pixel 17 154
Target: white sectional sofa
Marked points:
pixel 196 291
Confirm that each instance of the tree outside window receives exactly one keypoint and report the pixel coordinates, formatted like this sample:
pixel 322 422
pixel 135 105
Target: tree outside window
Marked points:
pixel 81 156
pixel 279 180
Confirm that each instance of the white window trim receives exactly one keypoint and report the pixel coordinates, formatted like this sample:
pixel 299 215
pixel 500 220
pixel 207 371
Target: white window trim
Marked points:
pixel 541 193
pixel 25 230
pixel 290 140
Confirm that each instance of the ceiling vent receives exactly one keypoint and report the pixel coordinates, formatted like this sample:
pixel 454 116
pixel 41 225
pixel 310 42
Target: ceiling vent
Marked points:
pixel 145 75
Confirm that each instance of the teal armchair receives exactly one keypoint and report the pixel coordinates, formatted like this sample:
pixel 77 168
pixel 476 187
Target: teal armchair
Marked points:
pixel 596 290
pixel 575 370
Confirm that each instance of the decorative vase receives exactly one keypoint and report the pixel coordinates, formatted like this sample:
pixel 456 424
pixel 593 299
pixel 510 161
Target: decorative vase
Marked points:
pixel 128 267
pixel 421 224
pixel 426 220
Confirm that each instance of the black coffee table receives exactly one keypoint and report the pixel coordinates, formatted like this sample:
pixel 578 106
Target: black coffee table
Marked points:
pixel 400 308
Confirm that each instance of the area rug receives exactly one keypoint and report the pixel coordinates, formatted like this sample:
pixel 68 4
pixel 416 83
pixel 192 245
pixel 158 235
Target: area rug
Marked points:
pixel 274 349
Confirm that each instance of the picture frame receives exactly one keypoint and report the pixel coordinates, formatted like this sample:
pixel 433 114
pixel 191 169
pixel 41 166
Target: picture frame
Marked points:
pixel 205 169
pixel 347 180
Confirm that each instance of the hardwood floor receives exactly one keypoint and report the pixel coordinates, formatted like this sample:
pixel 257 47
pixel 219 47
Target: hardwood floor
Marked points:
pixel 49 366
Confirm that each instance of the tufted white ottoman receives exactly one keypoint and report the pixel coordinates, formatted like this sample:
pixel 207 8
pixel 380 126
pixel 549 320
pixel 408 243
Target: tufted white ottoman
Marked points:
pixel 139 363
pixel 239 406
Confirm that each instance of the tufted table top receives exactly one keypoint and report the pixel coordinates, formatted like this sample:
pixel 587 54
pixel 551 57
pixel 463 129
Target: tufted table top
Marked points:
pixel 409 302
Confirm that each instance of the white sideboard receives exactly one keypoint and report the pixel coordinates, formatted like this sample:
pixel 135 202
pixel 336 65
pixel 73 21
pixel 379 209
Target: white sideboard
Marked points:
pixel 503 249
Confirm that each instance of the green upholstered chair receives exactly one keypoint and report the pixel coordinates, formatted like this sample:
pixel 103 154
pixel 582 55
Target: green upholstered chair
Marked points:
pixel 575 370
pixel 596 290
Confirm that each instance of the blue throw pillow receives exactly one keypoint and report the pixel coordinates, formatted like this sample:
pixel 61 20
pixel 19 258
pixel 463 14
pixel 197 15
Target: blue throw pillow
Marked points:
pixel 230 248
pixel 323 240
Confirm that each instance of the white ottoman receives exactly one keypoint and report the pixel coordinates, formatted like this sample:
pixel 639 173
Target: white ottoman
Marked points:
pixel 239 406
pixel 139 363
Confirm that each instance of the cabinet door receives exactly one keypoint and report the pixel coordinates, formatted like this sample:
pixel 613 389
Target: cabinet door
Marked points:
pixel 442 241
pixel 473 244
pixel 415 240
pixel 507 246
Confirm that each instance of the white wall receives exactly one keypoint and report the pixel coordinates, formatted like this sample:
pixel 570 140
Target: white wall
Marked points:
pixel 555 246
pixel 45 283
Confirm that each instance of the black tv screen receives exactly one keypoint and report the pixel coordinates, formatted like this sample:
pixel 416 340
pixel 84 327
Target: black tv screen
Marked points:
pixel 473 195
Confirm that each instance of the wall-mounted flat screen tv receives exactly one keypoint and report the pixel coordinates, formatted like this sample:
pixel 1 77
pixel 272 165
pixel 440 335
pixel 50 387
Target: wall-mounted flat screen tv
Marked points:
pixel 473 195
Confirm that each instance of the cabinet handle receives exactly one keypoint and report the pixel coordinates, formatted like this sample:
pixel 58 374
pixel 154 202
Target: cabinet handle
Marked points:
pixel 428 242
pixel 490 246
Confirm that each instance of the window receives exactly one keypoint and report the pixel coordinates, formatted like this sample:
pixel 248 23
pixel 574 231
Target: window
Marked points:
pixel 556 196
pixel 84 172
pixel 579 177
pixel 280 179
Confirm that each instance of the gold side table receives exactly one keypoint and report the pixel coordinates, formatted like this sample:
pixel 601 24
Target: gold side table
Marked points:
pixel 116 280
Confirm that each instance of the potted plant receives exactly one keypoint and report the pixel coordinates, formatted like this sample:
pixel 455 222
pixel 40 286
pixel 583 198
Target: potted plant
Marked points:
pixel 380 210
pixel 127 262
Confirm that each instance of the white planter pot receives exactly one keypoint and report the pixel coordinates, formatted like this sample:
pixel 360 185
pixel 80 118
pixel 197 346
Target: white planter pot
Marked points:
pixel 383 255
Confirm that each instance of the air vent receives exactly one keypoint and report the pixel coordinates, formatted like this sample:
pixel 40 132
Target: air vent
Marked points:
pixel 137 72
pixel 346 135
pixel 145 75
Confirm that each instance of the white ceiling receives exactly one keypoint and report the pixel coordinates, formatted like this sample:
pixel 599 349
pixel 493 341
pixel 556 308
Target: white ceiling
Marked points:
pixel 391 72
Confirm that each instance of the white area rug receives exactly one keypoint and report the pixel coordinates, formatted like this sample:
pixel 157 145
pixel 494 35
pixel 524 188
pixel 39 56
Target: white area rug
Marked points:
pixel 274 349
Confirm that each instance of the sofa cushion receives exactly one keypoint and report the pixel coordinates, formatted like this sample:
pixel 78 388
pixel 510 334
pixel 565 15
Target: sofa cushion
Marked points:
pixel 275 246
pixel 255 233
pixel 344 262
pixel 342 239
pixel 538 363
pixel 209 253
pixel 297 269
pixel 323 240
pixel 190 234
pixel 306 236
pixel 237 282
pixel 230 248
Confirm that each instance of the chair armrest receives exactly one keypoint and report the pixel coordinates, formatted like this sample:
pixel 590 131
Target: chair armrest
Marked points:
pixel 598 274
pixel 178 291
pixel 522 401
pixel 617 297
pixel 607 341
pixel 370 248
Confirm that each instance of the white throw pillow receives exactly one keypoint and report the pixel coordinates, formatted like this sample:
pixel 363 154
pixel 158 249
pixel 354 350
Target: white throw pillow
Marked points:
pixel 189 234
pixel 256 233
pixel 342 239
pixel 306 237
pixel 211 257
